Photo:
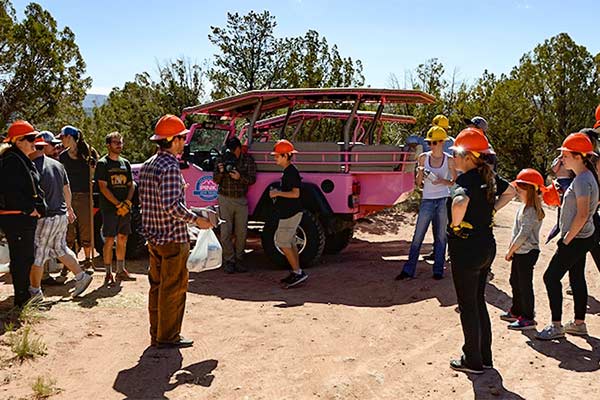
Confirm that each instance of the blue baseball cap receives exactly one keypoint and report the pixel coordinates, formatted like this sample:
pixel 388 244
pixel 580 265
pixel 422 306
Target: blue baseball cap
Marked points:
pixel 49 137
pixel 69 130
pixel 478 122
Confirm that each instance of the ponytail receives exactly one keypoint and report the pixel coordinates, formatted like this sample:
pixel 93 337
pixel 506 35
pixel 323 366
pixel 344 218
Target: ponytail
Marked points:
pixel 487 174
pixel 588 161
pixel 85 151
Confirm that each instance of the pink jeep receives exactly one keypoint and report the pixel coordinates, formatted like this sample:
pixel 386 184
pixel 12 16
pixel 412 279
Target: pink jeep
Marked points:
pixel 342 180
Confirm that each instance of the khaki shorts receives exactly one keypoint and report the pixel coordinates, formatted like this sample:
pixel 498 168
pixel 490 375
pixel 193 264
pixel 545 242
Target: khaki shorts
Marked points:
pixel 80 230
pixel 285 236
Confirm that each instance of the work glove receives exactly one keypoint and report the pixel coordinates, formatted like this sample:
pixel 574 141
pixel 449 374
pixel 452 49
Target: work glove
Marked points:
pixel 123 208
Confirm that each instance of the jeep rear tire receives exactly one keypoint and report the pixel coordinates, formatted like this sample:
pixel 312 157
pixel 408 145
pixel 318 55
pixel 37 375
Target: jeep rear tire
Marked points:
pixel 310 237
pixel 338 241
pixel 136 243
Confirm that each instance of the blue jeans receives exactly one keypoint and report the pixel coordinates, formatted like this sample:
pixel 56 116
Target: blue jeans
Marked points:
pixel 431 211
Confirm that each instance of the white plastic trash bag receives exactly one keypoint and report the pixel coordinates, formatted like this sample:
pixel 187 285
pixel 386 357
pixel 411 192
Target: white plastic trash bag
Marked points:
pixel 4 258
pixel 207 252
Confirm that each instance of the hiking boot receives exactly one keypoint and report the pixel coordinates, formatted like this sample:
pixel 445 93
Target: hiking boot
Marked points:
pixel 240 267
pixel 82 284
pixel 181 343
pixel 458 365
pixel 229 267
pixel 576 329
pixel 296 279
pixel 508 317
pixel 551 332
pixel 125 276
pixel 403 275
pixel 522 324
pixel 50 281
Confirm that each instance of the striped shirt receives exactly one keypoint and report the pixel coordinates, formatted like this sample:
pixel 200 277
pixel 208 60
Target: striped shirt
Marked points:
pixel 162 196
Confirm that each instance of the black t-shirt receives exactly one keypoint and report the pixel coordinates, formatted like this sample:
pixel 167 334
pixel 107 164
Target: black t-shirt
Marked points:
pixel 285 207
pixel 117 175
pixel 479 211
pixel 77 171
pixel 501 185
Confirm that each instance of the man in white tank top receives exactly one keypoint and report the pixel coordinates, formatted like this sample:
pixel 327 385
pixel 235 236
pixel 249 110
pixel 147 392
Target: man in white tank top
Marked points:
pixel 435 173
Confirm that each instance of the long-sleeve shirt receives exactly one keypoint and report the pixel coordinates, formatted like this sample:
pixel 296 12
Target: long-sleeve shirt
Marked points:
pixel 237 188
pixel 162 196
pixel 20 189
pixel 526 230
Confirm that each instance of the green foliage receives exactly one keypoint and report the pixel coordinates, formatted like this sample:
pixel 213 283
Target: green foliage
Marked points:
pixel 134 109
pixel 41 69
pixel 24 345
pixel 44 387
pixel 250 57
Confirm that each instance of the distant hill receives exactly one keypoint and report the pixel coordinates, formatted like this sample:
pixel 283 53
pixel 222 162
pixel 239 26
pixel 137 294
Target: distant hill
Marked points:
pixel 93 100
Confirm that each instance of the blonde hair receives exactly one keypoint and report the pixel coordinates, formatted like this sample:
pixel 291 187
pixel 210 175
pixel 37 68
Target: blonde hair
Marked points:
pixel 532 199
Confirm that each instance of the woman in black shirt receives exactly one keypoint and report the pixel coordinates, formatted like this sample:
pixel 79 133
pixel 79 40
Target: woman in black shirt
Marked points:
pixel 21 204
pixel 78 159
pixel 472 247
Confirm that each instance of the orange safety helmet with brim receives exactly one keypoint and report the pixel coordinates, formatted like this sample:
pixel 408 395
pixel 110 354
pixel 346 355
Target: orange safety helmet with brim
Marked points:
pixel 531 177
pixel 577 143
pixel 472 140
pixel 168 127
pixel 18 129
pixel 283 147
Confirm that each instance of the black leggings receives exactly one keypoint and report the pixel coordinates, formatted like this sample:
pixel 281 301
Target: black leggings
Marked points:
pixel 568 258
pixel 521 282
pixel 20 233
pixel 471 260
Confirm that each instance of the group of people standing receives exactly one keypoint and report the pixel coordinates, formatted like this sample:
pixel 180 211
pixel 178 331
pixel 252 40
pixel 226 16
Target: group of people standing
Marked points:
pixel 461 194
pixel 46 208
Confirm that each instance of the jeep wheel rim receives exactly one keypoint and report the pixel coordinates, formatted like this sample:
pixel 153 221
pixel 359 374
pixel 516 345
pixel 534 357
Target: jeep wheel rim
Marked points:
pixel 300 241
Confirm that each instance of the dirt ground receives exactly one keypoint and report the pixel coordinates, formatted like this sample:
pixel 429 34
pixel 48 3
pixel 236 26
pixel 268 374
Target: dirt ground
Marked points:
pixel 351 332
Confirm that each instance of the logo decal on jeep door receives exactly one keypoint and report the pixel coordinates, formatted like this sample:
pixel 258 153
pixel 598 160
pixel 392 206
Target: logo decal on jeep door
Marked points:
pixel 206 188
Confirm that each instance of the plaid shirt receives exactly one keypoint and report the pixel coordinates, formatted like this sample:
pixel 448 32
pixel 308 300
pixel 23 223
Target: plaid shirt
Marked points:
pixel 162 196
pixel 237 188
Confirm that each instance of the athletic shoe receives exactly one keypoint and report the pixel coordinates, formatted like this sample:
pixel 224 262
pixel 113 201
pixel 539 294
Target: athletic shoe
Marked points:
pixel 229 268
pixel 522 324
pixel 576 329
pixel 438 277
pixel 288 279
pixel 488 366
pixel 240 267
pixel 508 317
pixel 125 276
pixel 429 257
pixel 297 279
pixel 403 275
pixel 82 284
pixel 458 365
pixel 551 332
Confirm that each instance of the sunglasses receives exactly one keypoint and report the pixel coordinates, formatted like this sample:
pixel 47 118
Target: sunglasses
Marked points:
pixel 29 138
pixel 116 142
pixel 434 142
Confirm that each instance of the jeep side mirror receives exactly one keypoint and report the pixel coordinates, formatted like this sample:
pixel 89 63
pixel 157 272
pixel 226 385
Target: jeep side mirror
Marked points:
pixel 186 152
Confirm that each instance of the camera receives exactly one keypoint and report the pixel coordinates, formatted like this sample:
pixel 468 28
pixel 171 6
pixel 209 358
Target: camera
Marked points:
pixel 229 160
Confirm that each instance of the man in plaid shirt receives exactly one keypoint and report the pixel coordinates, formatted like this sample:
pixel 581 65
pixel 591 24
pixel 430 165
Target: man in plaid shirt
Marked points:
pixel 164 219
pixel 233 180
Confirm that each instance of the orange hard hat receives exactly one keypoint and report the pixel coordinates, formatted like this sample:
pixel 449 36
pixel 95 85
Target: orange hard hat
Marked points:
pixel 39 141
pixel 551 196
pixel 473 140
pixel 577 143
pixel 168 127
pixel 19 128
pixel 283 147
pixel 531 177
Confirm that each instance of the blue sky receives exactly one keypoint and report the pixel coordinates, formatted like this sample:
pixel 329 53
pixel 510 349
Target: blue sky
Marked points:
pixel 121 38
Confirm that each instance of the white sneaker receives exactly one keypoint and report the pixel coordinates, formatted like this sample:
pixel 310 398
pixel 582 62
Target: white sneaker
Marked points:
pixel 574 329
pixel 551 332
pixel 82 284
